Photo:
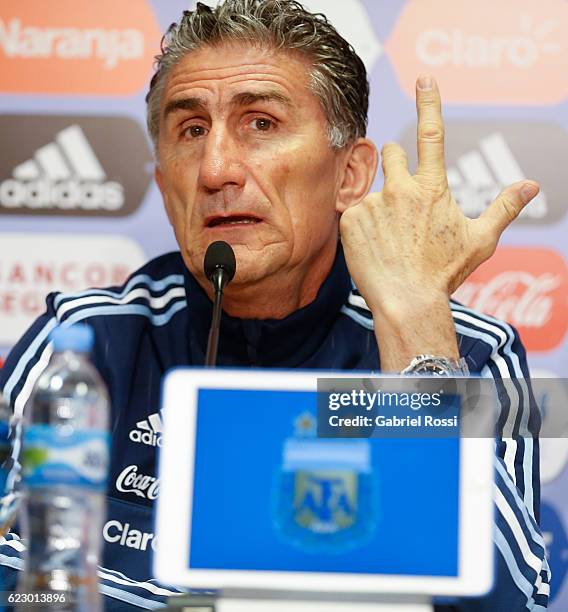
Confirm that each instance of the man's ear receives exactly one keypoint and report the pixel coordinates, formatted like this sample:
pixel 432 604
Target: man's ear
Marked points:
pixel 358 174
pixel 160 182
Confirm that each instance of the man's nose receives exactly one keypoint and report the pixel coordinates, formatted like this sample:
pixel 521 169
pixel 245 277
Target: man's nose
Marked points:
pixel 221 162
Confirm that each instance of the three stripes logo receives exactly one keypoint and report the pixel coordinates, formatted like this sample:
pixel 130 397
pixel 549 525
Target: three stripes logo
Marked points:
pixel 484 158
pixel 479 175
pixel 148 431
pixel 73 166
pixel 65 174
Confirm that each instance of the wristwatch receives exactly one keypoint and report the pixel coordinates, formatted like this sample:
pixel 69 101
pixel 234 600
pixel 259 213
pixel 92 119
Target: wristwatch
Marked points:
pixel 435 365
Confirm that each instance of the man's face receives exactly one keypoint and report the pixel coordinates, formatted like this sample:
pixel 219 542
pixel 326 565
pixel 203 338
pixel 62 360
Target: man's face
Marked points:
pixel 244 157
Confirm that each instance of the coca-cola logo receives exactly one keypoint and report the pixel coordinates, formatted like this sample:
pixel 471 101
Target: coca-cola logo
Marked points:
pixel 521 298
pixel 130 481
pixel 525 287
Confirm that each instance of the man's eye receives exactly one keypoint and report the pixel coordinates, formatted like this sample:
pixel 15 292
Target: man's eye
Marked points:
pixel 195 131
pixel 262 124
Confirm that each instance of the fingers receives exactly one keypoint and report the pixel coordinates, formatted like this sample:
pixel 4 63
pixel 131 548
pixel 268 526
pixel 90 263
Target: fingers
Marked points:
pixel 507 206
pixel 430 132
pixel 394 162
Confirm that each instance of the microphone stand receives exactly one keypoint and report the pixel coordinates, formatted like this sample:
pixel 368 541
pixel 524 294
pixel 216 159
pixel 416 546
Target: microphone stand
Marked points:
pixel 219 280
pixel 219 266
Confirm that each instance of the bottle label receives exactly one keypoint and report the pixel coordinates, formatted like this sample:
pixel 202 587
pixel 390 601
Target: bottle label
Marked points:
pixel 54 456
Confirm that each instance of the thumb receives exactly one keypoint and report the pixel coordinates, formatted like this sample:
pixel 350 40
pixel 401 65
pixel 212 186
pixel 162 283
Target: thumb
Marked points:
pixel 507 206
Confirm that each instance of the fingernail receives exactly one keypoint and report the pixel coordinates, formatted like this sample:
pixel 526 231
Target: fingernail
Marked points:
pixel 528 192
pixel 424 82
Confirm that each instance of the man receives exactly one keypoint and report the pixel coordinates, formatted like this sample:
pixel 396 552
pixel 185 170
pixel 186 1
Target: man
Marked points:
pixel 258 114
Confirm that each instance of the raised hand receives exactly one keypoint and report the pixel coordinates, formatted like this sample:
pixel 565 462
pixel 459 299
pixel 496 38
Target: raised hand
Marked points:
pixel 410 246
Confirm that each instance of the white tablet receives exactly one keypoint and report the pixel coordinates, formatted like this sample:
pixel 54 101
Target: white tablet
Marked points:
pixel 252 498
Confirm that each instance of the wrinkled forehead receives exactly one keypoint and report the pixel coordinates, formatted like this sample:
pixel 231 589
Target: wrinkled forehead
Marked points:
pixel 222 72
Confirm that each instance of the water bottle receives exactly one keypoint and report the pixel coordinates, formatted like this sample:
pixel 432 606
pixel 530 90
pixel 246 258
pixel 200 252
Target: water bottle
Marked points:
pixel 65 467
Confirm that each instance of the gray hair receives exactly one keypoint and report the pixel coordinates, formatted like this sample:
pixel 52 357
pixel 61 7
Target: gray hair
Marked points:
pixel 337 77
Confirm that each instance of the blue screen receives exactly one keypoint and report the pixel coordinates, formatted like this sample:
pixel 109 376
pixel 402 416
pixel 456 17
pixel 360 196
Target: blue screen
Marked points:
pixel 269 495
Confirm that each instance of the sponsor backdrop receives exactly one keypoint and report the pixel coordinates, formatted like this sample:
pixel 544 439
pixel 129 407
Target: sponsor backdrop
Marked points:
pixel 78 206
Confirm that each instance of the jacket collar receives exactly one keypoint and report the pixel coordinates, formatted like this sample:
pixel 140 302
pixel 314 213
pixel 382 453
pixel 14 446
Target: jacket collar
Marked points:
pixel 284 343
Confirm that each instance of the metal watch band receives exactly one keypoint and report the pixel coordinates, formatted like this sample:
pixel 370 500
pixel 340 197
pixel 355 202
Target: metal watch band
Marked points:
pixel 436 365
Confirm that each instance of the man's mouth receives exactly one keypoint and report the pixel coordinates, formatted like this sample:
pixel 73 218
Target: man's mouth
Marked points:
pixel 231 220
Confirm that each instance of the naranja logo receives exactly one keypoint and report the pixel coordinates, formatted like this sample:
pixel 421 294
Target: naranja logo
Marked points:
pixel 65 47
pixel 525 287
pixel 507 52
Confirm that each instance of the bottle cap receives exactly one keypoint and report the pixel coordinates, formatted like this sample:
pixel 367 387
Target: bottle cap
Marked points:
pixel 78 337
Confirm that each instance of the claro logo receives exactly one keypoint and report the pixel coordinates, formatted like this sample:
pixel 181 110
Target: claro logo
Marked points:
pixel 453 47
pixel 72 165
pixel 485 51
pixel 106 47
pixel 123 534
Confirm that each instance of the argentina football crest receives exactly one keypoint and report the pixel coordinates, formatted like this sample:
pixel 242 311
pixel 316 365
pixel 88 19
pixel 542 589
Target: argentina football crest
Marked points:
pixel 326 494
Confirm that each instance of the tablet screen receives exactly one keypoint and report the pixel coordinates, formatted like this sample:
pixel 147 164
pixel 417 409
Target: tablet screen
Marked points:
pixel 269 495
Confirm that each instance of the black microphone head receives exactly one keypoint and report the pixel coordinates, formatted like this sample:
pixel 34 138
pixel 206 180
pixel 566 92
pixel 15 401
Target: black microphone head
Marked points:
pixel 219 254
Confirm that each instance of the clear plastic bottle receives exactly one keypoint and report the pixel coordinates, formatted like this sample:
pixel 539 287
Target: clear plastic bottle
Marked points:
pixel 65 468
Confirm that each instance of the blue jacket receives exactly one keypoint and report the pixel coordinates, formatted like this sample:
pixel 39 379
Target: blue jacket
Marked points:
pixel 159 319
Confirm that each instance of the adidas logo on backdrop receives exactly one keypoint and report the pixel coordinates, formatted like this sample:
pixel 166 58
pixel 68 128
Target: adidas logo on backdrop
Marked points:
pixel 479 175
pixel 484 157
pixel 148 431
pixel 63 174
pixel 72 165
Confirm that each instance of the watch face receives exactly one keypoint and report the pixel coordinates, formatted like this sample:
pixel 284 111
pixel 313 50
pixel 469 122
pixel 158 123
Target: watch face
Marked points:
pixel 433 368
pixel 437 366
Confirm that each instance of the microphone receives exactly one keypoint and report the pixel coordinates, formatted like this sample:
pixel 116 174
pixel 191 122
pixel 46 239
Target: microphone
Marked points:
pixel 219 266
